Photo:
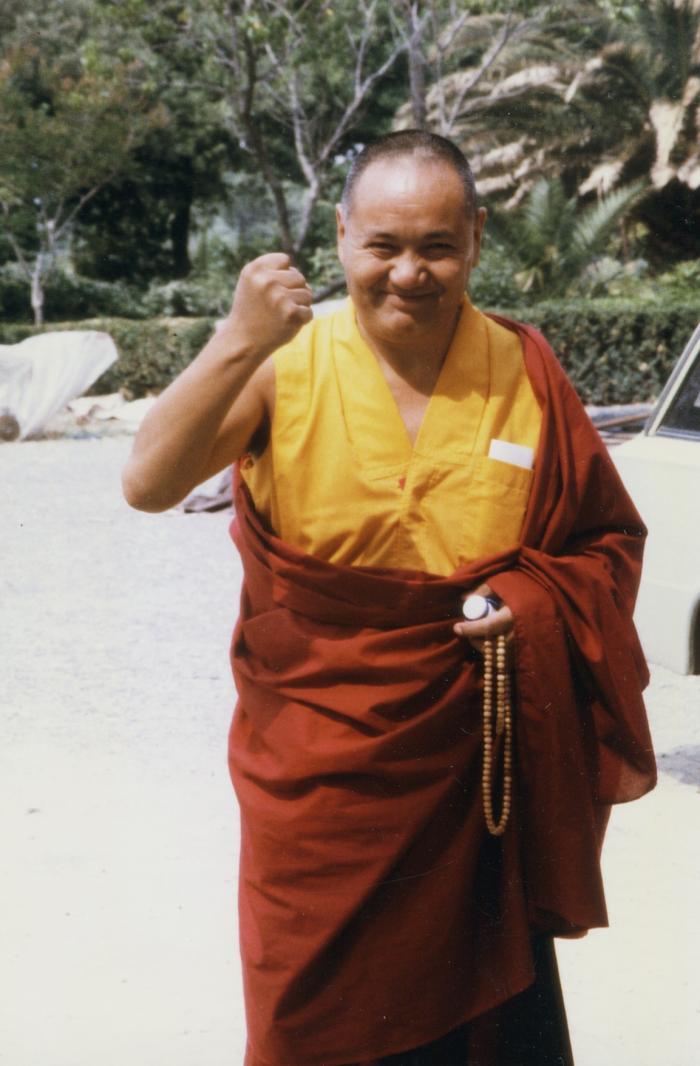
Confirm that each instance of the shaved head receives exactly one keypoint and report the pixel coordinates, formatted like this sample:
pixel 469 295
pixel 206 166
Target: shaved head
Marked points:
pixel 421 145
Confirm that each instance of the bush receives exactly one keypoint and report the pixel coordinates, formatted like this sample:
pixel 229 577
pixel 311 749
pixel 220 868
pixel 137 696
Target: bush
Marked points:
pixel 151 352
pixel 322 267
pixel 614 351
pixel 14 295
pixel 196 297
pixel 493 283
pixel 71 297
pixel 681 282
pixel 67 296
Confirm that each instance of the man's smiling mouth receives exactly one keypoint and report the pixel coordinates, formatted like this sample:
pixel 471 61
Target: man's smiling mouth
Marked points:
pixel 409 297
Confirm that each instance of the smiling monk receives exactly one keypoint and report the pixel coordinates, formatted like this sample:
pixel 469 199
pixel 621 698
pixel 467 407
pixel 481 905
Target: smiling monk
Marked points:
pixel 404 865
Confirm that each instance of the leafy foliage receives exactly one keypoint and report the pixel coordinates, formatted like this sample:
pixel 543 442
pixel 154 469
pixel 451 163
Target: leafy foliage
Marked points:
pixel 295 80
pixel 67 296
pixel 190 297
pixel 159 144
pixel 139 228
pixel 493 283
pixel 615 351
pixel 554 242
pixel 601 99
pixel 67 127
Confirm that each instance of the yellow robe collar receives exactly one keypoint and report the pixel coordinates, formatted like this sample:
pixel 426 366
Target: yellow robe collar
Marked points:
pixel 372 418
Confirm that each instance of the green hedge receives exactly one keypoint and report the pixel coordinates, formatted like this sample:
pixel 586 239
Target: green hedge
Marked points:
pixel 68 297
pixel 151 352
pixel 614 351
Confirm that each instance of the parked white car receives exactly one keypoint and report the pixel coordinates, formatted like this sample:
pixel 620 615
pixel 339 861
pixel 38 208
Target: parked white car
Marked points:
pixel 661 469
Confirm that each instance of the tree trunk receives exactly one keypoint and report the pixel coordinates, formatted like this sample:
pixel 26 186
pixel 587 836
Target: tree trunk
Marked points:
pixel 179 238
pixel 37 296
pixel 416 68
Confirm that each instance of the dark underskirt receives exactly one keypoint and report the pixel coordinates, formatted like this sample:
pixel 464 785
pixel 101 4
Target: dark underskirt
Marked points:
pixel 528 1030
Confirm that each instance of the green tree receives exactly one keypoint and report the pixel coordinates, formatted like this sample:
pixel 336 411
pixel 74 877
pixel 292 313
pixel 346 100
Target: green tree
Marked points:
pixel 140 226
pixel 67 130
pixel 296 78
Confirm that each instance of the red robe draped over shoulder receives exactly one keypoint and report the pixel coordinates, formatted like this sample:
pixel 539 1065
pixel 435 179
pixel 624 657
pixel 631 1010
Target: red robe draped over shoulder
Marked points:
pixel 376 912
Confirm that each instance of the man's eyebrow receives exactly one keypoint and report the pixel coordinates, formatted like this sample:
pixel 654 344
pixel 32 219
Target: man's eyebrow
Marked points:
pixel 380 235
pixel 438 234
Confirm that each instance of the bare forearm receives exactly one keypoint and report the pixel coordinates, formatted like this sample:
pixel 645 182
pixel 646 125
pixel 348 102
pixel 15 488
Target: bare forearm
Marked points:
pixel 177 436
pixel 208 416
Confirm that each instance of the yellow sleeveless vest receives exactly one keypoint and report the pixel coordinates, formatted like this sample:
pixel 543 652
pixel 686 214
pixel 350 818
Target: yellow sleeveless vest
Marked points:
pixel 340 478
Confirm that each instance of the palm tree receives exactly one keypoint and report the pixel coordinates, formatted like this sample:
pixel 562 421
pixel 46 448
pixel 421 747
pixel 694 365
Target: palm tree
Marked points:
pixel 498 90
pixel 554 242
pixel 649 71
pixel 597 102
pixel 647 75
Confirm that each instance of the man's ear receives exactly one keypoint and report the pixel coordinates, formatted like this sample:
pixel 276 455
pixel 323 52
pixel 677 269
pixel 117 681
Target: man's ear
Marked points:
pixel 340 229
pixel 478 231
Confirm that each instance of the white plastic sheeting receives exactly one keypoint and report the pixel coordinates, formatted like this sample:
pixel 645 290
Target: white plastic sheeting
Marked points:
pixel 41 374
pixel 110 408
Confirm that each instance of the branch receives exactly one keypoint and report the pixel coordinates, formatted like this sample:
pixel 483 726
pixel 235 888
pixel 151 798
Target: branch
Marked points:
pixel 443 42
pixel 439 84
pixel 329 290
pixel 291 18
pixel 58 229
pixel 251 77
pixel 259 149
pixel 16 247
pixel 361 93
pixel 310 201
pixel 487 62
pixel 298 121
pixel 361 50
pixel 412 32
pixel 497 95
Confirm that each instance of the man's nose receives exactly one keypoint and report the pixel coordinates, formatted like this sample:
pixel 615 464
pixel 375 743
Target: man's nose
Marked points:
pixel 408 271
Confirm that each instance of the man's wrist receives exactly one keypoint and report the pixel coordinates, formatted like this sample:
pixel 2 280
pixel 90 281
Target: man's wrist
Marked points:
pixel 236 347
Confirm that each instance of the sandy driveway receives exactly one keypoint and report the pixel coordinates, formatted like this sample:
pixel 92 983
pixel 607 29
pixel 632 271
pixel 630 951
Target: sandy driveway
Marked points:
pixel 119 828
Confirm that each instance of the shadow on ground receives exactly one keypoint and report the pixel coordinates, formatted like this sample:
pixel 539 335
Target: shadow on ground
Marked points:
pixel 682 763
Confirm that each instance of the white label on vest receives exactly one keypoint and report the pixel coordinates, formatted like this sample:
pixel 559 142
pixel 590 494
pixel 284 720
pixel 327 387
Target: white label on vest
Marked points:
pixel 515 454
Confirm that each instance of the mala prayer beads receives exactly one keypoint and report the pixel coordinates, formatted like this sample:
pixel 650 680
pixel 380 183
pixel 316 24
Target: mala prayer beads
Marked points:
pixel 503 726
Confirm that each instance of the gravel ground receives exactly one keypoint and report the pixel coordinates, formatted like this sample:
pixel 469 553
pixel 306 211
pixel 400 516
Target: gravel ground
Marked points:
pixel 119 823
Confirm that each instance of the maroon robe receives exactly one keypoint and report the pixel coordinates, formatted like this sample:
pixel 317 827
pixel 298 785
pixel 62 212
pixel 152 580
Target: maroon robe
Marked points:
pixel 376 912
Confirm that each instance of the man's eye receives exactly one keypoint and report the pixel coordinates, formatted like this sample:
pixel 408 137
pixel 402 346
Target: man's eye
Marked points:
pixel 382 248
pixel 438 249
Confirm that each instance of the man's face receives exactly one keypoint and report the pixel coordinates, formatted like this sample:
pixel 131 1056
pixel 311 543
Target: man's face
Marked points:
pixel 408 248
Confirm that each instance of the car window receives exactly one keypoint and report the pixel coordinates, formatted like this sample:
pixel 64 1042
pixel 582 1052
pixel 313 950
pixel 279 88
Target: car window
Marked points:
pixel 683 413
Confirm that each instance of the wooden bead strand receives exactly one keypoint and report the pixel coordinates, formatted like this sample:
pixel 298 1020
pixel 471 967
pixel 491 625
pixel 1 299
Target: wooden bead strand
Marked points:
pixel 497 650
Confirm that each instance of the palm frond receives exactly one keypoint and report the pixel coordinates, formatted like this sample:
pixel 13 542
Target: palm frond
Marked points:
pixel 596 222
pixel 670 33
pixel 548 213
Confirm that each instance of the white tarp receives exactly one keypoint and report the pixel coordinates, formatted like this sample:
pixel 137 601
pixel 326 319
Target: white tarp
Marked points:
pixel 112 407
pixel 41 374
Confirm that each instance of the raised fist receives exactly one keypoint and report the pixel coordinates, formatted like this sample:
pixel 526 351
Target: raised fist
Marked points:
pixel 271 303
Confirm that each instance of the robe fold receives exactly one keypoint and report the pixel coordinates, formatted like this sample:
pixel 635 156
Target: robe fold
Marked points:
pixel 376 912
